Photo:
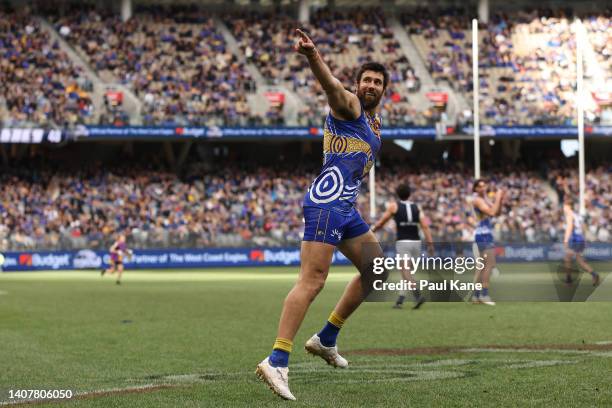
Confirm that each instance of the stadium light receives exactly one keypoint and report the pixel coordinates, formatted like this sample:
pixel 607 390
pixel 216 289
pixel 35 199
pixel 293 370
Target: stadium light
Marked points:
pixel 475 91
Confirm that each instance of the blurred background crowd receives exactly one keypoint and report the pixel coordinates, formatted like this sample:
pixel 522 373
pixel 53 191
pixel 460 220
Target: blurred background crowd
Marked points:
pixel 262 205
pixel 184 65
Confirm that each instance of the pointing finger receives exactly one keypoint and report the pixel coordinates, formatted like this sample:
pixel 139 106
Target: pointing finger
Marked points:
pixel 302 34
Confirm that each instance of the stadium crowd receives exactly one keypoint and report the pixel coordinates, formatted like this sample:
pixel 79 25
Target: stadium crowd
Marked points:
pixel 38 82
pixel 445 195
pixel 179 65
pixel 526 61
pixel 239 206
pixel 174 60
pixel 342 36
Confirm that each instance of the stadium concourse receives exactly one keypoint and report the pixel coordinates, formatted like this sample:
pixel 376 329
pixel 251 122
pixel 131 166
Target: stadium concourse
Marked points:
pixel 184 65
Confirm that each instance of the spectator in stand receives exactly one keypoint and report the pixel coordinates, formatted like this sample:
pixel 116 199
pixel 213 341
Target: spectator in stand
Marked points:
pixel 256 205
pixel 174 59
pixel 38 83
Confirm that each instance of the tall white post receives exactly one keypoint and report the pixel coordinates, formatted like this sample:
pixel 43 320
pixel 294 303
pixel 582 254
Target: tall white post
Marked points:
pixel 580 105
pixel 483 11
pixel 372 185
pixel 304 11
pixel 126 10
pixel 476 92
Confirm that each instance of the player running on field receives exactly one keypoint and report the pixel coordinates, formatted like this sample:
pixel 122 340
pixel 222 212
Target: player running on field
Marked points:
pixel 350 143
pixel 574 242
pixel 117 253
pixel 408 218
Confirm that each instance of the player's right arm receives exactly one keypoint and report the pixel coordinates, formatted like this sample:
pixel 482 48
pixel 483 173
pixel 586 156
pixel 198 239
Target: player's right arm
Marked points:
pixel 389 212
pixel 344 104
pixel 490 210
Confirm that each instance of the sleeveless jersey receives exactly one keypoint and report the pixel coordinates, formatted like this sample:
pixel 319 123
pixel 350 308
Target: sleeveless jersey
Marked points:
pixel 484 225
pixel 577 225
pixel 349 151
pixel 407 221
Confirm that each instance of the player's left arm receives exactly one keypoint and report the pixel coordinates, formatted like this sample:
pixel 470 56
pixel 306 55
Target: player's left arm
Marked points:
pixel 389 212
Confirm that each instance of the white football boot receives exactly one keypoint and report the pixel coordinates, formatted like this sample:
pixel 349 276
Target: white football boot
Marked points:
pixel 486 300
pixel 277 379
pixel 329 354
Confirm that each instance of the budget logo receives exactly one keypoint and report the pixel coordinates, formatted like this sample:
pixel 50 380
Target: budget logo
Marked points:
pixel 257 255
pixel 25 259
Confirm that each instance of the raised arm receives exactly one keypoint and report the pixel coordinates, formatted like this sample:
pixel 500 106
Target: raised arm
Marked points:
pixel 492 210
pixel 344 104
pixel 390 211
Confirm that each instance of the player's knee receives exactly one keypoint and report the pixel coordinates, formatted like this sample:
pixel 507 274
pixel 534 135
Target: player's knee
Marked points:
pixel 312 285
pixel 316 284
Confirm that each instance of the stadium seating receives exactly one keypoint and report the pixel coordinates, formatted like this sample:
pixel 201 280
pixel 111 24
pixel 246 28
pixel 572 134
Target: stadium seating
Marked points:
pixel 237 206
pixel 343 37
pixel 38 83
pixel 181 68
pixel 526 60
pixel 175 61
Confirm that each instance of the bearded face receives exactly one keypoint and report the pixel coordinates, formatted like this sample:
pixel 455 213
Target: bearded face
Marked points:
pixel 370 89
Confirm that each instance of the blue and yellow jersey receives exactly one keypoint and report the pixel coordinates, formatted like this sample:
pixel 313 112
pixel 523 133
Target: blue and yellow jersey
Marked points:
pixel 349 151
pixel 576 227
pixel 484 225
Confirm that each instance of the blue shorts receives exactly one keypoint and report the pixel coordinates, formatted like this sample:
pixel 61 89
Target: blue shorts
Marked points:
pixel 331 227
pixel 484 241
pixel 577 243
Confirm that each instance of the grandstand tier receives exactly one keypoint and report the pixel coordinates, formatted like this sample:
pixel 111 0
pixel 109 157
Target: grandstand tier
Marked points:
pixel 188 65
pixel 216 193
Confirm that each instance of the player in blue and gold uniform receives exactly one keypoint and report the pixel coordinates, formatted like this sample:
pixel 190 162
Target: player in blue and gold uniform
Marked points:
pixel 484 210
pixel 574 242
pixel 350 143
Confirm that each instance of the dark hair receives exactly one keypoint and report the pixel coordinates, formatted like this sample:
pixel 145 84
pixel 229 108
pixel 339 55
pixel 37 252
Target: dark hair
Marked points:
pixel 376 67
pixel 403 191
pixel 477 182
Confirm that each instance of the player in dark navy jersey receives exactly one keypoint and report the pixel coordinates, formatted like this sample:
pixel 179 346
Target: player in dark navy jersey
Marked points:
pixel 408 218
pixel 351 141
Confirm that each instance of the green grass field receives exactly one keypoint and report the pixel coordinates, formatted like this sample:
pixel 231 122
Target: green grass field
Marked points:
pixel 192 339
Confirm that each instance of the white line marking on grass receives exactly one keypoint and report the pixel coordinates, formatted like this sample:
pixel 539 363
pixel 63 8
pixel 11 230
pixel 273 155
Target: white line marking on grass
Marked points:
pixel 603 343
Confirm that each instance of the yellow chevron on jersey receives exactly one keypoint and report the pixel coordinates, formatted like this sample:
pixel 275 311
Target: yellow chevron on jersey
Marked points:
pixel 341 144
